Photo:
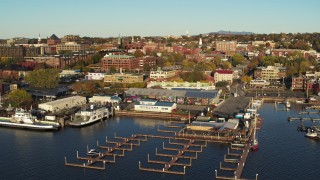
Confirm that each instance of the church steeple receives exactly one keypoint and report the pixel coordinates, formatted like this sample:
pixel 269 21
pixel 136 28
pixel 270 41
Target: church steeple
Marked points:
pixel 200 42
pixel 39 39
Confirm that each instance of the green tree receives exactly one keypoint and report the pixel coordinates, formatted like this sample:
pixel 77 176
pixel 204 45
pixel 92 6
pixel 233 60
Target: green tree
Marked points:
pixel 43 78
pixel 19 97
pixel 222 84
pixel 237 59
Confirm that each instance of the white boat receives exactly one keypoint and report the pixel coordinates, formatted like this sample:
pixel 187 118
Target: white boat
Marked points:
pixel 311 134
pixel 24 119
pixel 89 115
pixel 93 152
pixel 287 104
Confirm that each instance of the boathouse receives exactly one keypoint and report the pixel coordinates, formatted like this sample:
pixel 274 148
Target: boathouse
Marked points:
pixel 230 106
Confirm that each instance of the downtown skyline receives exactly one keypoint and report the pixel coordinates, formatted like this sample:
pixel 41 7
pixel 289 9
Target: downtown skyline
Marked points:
pixel 99 18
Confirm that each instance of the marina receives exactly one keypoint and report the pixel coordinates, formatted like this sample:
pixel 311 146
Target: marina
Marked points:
pixel 212 156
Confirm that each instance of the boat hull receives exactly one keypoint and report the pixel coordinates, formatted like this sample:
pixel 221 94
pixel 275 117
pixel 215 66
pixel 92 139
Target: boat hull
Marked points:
pixel 255 147
pixel 29 126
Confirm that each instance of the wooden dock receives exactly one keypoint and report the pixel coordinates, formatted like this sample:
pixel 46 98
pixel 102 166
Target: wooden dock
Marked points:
pixel 303 119
pixel 109 151
pixel 174 158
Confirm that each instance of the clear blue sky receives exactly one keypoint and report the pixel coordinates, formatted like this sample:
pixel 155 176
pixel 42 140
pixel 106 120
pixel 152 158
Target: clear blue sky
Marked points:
pixel 105 18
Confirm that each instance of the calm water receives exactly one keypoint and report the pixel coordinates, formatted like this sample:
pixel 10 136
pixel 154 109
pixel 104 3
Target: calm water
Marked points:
pixel 284 153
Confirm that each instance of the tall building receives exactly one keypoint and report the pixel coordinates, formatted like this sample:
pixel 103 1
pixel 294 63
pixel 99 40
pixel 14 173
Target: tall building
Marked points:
pixel 270 73
pixel 229 47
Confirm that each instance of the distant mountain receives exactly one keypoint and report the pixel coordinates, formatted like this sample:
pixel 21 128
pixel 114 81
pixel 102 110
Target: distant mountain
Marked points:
pixel 233 32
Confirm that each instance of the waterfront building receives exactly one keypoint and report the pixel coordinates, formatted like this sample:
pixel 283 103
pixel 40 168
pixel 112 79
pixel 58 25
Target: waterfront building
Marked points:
pixel 223 75
pixel 154 106
pixel 123 78
pixel 161 74
pixel 259 83
pixel 105 99
pixel 119 61
pixel 60 104
pixel 179 96
pixel 182 85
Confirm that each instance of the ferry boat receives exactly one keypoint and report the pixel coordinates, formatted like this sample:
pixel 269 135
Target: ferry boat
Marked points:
pixel 89 116
pixel 24 119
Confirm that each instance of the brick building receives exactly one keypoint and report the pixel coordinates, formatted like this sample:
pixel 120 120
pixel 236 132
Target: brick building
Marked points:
pixel 119 61
pixel 229 47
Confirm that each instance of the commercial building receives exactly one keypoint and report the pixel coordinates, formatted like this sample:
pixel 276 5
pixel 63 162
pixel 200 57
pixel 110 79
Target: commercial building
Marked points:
pixel 60 104
pixel 123 78
pixel 105 99
pixel 271 73
pixel 71 46
pixel 95 76
pixel 182 85
pixel 223 75
pixel 119 61
pixel 154 106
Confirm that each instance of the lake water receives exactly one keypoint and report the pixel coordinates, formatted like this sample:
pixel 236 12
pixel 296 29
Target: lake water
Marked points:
pixel 284 152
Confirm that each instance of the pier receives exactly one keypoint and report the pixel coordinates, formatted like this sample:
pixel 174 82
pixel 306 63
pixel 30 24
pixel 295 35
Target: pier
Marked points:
pixel 109 151
pixel 174 158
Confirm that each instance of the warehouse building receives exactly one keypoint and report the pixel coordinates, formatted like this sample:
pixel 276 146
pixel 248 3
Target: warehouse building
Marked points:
pixel 60 104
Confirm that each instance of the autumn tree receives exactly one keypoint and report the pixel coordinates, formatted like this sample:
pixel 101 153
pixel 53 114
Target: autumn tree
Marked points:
pixel 237 59
pixel 138 53
pixel 246 79
pixel 88 87
pixel 43 78
pixel 19 98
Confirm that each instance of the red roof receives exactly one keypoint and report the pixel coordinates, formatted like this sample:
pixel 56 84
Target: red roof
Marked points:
pixel 222 71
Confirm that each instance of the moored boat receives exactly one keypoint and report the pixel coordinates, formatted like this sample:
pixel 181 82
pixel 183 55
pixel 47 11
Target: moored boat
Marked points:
pixel 255 142
pixel 89 116
pixel 311 134
pixel 23 119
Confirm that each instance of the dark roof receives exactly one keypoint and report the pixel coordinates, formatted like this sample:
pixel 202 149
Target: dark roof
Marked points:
pixel 166 92
pixel 231 105
pixel 201 94
pixel 54 37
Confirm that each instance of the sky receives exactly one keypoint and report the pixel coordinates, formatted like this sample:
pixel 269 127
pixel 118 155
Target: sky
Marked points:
pixel 109 18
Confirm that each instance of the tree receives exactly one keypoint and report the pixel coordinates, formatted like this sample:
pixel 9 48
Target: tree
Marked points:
pixel 237 59
pixel 138 53
pixel 43 78
pixel 222 84
pixel 246 79
pixel 19 97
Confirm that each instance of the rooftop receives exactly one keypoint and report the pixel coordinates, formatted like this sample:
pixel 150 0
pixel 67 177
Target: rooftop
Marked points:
pixel 118 56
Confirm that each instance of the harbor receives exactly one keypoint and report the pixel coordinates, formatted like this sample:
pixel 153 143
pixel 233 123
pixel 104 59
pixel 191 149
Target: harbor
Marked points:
pixel 277 134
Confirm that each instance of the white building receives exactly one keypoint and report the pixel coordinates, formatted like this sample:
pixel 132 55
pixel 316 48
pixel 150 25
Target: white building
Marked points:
pixel 160 74
pixel 223 75
pixel 183 85
pixel 259 83
pixel 105 99
pixel 95 76
pixel 154 106
pixel 60 104
pixel 69 73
